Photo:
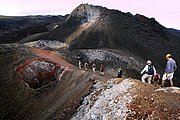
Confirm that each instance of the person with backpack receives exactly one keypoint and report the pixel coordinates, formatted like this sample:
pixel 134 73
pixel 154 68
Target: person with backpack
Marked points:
pixel 169 70
pixel 148 72
pixel 156 78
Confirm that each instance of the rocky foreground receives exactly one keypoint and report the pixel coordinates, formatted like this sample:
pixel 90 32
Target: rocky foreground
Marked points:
pixel 129 99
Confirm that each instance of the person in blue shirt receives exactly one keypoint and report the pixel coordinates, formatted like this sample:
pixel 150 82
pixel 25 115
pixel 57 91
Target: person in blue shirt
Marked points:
pixel 169 70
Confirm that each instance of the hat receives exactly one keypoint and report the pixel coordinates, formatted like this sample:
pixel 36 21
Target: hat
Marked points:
pixel 149 62
pixel 168 55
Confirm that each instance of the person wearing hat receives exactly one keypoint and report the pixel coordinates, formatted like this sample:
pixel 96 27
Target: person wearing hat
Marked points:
pixel 148 72
pixel 169 70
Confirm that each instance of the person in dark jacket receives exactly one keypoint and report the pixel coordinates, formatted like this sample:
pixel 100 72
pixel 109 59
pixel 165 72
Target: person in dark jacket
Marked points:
pixel 101 69
pixel 119 75
pixel 148 72
pixel 169 70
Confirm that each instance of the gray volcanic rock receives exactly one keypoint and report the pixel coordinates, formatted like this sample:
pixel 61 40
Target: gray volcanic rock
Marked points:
pixel 111 103
pixel 111 60
pixel 129 99
pixel 84 13
pixel 47 44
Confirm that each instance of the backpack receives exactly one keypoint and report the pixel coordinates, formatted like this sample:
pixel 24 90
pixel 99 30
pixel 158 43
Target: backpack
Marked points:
pixel 150 70
pixel 156 77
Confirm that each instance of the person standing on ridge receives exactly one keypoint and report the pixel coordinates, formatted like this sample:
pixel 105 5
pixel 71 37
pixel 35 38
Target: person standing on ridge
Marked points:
pixel 94 68
pixel 101 69
pixel 119 75
pixel 169 70
pixel 86 66
pixel 148 72
pixel 79 64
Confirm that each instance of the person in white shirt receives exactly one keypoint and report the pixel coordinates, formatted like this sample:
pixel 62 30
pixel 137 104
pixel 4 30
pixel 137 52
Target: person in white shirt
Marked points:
pixel 79 64
pixel 94 68
pixel 148 72
pixel 86 66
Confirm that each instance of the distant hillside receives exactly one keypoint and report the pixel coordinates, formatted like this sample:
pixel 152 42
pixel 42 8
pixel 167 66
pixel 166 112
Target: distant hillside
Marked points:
pixel 174 32
pixel 14 28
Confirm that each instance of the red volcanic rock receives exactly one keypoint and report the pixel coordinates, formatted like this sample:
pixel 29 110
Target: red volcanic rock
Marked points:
pixel 38 72
pixel 42 70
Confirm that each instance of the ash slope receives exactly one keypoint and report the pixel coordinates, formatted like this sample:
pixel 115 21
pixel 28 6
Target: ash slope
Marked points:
pixel 95 27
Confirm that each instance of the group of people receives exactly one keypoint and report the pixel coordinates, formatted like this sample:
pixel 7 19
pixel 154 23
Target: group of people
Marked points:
pixel 149 72
pixel 101 68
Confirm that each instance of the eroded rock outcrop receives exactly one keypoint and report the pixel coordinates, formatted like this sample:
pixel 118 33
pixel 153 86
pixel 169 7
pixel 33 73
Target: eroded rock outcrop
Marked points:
pixel 84 13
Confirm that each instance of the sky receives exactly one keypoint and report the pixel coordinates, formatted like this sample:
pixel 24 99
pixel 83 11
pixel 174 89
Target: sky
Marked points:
pixel 166 12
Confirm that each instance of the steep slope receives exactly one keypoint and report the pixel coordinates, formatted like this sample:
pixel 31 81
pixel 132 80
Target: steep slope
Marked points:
pixel 94 27
pixel 14 28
